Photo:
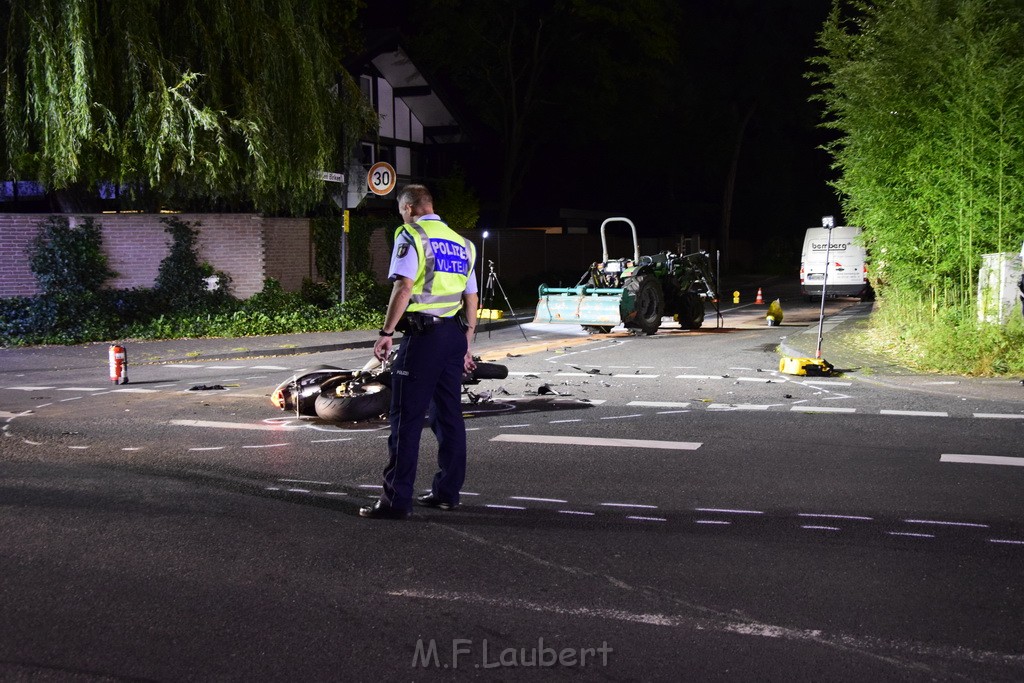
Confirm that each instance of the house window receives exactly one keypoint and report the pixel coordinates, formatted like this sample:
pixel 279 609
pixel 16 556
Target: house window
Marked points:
pixel 367 156
pixel 366 86
pixel 417 130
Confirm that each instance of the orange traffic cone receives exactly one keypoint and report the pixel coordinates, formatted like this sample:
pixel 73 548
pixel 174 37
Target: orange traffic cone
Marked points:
pixel 759 299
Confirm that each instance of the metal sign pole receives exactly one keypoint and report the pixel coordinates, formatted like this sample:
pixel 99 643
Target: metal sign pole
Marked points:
pixel 828 223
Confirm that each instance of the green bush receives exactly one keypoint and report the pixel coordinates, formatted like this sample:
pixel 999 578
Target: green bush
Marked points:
pixel 181 278
pixel 952 342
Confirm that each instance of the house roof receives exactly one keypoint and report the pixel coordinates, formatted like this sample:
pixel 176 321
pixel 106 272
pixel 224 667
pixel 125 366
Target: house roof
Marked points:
pixel 423 98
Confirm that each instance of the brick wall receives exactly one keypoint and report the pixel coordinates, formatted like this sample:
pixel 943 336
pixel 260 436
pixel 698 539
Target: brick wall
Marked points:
pixel 16 233
pixel 247 247
pixel 288 245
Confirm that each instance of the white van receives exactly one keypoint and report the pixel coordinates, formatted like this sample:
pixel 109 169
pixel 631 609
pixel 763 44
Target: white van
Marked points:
pixel 848 274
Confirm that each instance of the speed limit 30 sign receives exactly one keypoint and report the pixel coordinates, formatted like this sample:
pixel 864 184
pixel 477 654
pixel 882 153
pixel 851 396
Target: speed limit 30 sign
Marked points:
pixel 381 178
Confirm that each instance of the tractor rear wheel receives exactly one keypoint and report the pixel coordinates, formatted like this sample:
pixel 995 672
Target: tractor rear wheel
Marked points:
pixel 643 303
pixel 691 311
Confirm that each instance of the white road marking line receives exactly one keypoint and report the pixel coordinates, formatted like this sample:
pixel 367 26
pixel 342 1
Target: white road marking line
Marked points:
pixel 819 527
pixel 700 377
pixel 595 441
pixel 267 367
pixel 630 505
pixel 827 382
pixel 741 406
pixel 183 365
pixel 73 398
pixel 372 486
pixel 730 511
pixel 333 493
pixel 622 417
pixel 859 518
pixel 947 382
pixel 572 374
pixel 329 440
pixel 1000 416
pixel 1005 540
pixel 762 380
pixel 822 409
pixel 711 521
pixel 943 523
pixel 10 415
pixel 135 391
pixel 982 459
pixel 305 481
pixel 906 533
pixel 79 448
pixel 235 425
pixel 914 413
pixel 44 405
pixel 297 490
pixel 554 422
pixel 32 443
pixel 538 500
pixel 525 424
pixel 520 373
pixel 30 388
pixel 132 448
pixel 659 404
pixel 269 445
pixel 224 367
pixel 646 519
pixel 81 389
pixel 638 376
pixel 504 507
pixel 671 412
pixel 576 512
pixel 208 448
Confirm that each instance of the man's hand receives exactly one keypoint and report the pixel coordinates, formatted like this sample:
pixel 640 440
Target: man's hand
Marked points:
pixel 468 364
pixel 382 348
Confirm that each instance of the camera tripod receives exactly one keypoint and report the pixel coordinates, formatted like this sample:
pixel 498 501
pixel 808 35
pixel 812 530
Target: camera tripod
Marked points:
pixel 488 297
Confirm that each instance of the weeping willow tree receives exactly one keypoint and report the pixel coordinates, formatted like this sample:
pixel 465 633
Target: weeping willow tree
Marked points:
pixel 199 102
pixel 927 97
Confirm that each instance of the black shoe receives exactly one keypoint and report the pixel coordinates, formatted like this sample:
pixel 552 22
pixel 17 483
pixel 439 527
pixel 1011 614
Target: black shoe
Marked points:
pixel 429 500
pixel 381 510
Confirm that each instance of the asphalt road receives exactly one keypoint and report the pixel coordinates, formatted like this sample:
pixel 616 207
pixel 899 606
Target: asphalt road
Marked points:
pixel 668 508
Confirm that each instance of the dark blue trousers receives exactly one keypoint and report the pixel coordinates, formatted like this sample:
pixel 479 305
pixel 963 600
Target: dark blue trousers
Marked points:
pixel 427 369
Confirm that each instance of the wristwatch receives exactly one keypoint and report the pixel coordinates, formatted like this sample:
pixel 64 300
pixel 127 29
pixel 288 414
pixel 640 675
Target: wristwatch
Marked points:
pixel 382 333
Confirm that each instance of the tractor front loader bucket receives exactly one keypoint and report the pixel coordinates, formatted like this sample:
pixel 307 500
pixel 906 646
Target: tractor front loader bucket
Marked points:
pixel 583 305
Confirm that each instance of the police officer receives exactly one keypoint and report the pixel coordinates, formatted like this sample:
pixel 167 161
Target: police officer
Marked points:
pixel 432 272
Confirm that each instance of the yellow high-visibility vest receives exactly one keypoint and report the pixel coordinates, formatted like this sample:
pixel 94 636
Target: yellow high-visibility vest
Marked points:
pixel 445 265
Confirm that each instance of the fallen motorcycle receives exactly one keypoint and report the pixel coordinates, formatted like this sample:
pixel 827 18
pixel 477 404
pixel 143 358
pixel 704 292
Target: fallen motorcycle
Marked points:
pixel 340 395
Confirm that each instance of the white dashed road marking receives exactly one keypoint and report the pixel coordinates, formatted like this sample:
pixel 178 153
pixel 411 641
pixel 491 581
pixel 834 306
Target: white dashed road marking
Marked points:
pixel 235 425
pixel 914 413
pixel 982 459
pixel 594 441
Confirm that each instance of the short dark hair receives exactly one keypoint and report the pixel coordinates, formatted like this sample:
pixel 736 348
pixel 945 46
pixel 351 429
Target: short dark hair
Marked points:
pixel 417 195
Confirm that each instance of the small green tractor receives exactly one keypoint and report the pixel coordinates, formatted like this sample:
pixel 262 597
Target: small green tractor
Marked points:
pixel 637 292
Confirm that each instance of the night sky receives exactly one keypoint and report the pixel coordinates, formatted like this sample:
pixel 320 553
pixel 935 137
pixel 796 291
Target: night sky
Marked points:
pixel 665 162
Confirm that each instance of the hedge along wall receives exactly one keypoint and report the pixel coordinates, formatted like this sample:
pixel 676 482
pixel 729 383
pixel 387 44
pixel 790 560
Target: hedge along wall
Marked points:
pixel 247 247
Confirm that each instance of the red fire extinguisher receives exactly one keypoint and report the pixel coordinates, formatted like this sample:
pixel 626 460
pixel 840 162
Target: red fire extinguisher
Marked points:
pixel 118 364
